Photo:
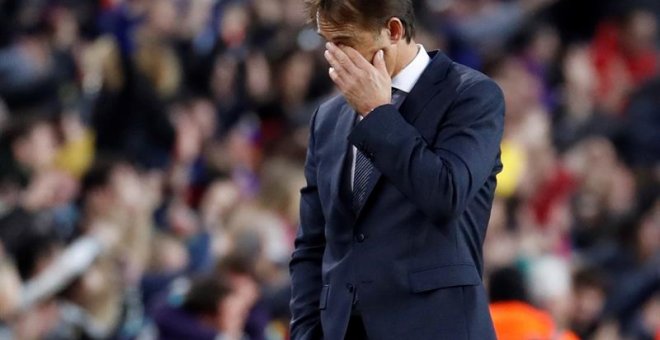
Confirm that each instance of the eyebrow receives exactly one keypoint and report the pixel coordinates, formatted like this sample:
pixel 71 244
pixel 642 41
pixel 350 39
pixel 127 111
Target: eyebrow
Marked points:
pixel 342 38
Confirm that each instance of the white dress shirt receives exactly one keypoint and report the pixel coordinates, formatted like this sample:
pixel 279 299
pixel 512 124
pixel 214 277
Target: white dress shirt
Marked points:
pixel 403 81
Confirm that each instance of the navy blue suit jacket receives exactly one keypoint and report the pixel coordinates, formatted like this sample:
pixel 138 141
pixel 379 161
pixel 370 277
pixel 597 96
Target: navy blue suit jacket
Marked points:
pixel 413 252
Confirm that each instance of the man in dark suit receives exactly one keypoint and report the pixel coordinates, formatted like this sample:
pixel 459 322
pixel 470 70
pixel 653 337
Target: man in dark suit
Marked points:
pixel 400 179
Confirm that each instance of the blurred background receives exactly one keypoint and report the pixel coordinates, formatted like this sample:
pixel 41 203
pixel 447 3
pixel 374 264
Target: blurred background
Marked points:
pixel 151 156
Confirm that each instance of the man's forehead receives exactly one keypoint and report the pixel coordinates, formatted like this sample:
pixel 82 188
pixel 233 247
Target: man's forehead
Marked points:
pixel 328 29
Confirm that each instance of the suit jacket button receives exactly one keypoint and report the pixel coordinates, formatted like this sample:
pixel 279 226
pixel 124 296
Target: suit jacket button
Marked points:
pixel 360 237
pixel 350 287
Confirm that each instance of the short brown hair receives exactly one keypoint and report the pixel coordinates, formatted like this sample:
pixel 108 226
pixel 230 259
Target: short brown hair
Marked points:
pixel 368 14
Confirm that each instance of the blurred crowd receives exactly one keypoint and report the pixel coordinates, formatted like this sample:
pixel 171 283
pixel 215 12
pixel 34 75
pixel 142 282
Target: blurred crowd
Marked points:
pixel 151 156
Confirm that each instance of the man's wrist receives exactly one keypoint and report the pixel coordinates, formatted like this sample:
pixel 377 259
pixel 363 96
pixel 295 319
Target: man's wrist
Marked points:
pixel 373 109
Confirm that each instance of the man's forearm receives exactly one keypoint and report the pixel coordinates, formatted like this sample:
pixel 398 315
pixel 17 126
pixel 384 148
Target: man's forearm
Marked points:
pixel 439 178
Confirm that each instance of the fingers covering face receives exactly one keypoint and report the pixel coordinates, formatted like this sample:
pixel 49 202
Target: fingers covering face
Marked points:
pixel 332 72
pixel 346 65
pixel 357 58
pixel 341 62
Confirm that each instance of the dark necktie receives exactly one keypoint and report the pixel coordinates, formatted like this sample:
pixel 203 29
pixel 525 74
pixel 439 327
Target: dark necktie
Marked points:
pixel 364 168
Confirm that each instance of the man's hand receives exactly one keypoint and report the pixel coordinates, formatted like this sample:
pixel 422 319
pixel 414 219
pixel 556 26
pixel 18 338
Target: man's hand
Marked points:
pixel 365 86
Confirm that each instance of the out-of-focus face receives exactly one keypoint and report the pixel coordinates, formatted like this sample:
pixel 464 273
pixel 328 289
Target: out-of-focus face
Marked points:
pixel 296 77
pixel 588 303
pixel 37 149
pixel 163 16
pixel 125 187
pixel 640 32
pixel 44 145
pixel 366 42
pixel 649 233
pixel 234 25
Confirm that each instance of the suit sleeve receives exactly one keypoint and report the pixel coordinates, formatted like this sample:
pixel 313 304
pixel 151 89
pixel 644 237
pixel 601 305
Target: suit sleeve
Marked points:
pixel 441 178
pixel 305 265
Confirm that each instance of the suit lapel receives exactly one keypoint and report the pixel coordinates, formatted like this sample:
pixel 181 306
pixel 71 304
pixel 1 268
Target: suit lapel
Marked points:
pixel 427 86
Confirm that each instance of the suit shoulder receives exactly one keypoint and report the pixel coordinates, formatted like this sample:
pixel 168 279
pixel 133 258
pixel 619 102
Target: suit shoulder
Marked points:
pixel 466 78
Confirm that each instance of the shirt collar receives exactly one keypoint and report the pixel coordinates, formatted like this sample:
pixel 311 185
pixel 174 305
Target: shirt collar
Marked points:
pixel 406 78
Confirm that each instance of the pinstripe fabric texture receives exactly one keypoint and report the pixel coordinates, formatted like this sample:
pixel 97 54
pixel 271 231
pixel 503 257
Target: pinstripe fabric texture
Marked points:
pixel 364 167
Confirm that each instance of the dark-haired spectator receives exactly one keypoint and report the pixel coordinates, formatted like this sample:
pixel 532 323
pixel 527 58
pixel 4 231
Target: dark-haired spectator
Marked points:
pixel 213 306
pixel 589 293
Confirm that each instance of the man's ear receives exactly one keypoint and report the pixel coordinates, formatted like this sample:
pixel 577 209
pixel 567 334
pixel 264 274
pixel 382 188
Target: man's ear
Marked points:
pixel 396 29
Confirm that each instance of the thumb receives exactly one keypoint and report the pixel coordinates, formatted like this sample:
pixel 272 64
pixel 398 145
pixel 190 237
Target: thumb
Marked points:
pixel 379 62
